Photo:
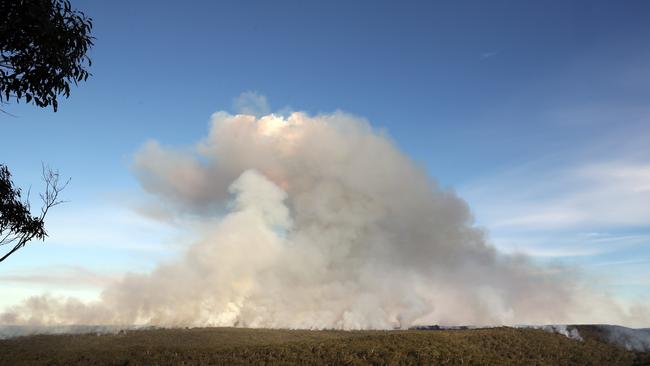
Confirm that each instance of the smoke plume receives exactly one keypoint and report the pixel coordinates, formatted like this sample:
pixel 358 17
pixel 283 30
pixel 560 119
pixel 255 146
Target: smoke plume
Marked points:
pixel 319 222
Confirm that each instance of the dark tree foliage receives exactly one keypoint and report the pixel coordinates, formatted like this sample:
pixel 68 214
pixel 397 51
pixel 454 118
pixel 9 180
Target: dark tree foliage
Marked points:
pixel 43 46
pixel 17 225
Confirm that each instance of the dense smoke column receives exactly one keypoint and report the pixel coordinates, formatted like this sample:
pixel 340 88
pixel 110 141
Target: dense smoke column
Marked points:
pixel 316 222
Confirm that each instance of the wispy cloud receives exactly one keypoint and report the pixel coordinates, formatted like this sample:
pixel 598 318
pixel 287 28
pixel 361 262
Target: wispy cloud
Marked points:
pixel 252 103
pixel 568 244
pixel 489 54
pixel 587 207
pixel 63 276
pixel 111 226
pixel 610 194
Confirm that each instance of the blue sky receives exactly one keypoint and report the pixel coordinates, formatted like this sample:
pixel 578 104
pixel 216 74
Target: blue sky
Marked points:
pixel 537 113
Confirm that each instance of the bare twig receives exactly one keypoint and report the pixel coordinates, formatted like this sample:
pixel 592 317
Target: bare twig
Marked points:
pixel 33 227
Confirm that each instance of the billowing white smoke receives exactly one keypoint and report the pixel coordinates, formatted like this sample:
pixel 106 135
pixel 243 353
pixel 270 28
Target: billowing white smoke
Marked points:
pixel 318 222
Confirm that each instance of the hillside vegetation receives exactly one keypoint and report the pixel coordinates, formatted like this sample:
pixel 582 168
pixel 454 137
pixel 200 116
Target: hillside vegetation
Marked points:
pixel 234 346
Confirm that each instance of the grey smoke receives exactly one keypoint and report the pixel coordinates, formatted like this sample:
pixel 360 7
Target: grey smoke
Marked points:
pixel 320 222
pixel 570 332
pixel 631 339
pixel 13 331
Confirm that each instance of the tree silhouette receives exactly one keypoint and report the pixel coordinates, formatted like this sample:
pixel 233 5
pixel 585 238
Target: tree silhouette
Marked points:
pixel 43 49
pixel 17 225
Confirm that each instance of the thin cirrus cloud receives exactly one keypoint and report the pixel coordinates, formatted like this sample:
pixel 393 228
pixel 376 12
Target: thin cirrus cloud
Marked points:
pixel 586 204
pixel 591 213
pixel 611 194
pixel 66 276
pixel 114 226
pixel 489 54
pixel 251 103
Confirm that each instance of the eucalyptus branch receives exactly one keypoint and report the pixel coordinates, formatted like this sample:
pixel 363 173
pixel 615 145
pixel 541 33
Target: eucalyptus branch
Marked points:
pixel 17 226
